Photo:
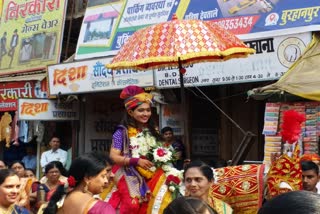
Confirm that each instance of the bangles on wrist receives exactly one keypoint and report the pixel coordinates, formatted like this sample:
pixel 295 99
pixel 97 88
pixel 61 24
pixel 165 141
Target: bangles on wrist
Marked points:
pixel 133 161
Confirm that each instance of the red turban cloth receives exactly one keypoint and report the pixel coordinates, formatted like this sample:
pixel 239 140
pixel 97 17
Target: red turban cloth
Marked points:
pixel 134 96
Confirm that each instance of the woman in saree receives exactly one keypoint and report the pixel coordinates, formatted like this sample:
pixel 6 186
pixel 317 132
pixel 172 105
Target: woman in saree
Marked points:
pixel 25 184
pixel 44 189
pixel 198 179
pixel 9 193
pixel 89 174
pixel 132 194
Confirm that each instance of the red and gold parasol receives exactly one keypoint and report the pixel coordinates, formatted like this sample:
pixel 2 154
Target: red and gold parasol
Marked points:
pixel 178 41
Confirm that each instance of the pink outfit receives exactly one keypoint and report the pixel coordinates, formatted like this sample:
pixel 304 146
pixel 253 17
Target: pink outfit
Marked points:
pixel 101 207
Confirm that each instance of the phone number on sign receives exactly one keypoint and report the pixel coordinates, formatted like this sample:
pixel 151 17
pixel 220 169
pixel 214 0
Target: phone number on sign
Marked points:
pixel 236 23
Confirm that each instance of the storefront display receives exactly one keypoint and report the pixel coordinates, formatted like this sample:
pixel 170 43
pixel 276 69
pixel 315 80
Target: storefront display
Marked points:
pixel 310 129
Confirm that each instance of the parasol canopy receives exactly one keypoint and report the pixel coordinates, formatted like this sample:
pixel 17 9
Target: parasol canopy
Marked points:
pixel 178 41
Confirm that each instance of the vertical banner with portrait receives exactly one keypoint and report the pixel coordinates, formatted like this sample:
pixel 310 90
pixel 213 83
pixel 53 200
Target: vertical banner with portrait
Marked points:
pixel 171 116
pixel 31 33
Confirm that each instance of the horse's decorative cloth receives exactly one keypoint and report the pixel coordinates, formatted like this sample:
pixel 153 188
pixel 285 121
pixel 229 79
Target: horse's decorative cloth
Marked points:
pixel 285 172
pixel 241 187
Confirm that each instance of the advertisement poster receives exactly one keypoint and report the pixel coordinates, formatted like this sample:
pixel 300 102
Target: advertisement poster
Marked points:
pixel 1 4
pixel 107 26
pixel 31 33
pixel 10 93
pixel 92 75
pixel 171 116
pixel 44 109
pixel 273 57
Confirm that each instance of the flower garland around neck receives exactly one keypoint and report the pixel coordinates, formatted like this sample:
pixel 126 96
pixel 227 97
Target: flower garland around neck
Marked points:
pixel 144 145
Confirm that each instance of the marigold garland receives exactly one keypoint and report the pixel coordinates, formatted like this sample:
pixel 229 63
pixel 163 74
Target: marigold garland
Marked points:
pixel 132 132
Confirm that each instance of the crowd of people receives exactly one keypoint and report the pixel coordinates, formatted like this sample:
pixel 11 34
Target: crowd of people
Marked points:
pixel 139 175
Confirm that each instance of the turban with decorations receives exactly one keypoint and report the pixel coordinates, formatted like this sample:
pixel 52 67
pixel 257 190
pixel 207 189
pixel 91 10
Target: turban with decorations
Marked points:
pixel 134 96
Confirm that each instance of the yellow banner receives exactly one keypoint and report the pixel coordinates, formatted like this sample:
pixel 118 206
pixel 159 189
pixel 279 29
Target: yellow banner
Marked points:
pixel 30 33
pixel 1 4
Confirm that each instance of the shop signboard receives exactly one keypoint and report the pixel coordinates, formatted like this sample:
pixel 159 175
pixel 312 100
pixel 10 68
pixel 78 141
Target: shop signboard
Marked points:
pixel 273 57
pixel 92 76
pixel 31 33
pixel 108 24
pixel 45 109
pixel 11 91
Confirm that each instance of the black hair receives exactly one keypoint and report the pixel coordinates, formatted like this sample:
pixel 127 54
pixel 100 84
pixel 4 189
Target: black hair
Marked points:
pixel 309 165
pixel 220 163
pixel 55 136
pixel 204 168
pixel 19 162
pixel 295 202
pixel 166 129
pixel 55 164
pixel 188 205
pixel 32 170
pixel 87 165
pixel 4 173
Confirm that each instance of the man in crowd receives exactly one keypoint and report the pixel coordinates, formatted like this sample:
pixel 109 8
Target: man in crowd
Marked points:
pixel 30 160
pixel 310 176
pixel 169 139
pixel 54 154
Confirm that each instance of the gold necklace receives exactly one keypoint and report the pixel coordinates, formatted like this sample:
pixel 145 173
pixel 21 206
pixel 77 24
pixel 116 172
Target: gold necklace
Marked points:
pixel 8 210
pixel 52 186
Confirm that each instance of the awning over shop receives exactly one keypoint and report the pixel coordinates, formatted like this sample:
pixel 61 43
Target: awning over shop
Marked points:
pixel 25 77
pixel 303 77
pixel 106 15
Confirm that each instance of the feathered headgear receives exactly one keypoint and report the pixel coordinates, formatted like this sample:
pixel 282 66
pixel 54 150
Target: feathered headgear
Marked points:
pixel 134 96
pixel 291 126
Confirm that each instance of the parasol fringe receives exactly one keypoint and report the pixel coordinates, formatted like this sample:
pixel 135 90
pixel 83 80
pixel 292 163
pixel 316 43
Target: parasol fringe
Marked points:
pixel 189 58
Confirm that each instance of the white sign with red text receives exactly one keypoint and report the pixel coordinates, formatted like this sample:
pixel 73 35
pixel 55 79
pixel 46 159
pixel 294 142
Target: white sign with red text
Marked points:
pixel 44 109
pixel 92 75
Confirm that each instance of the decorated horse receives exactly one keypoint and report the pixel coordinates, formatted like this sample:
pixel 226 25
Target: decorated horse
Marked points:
pixel 243 187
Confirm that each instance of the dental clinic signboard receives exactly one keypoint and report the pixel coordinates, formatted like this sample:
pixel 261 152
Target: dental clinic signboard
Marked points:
pixel 44 109
pixel 273 57
pixel 92 75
